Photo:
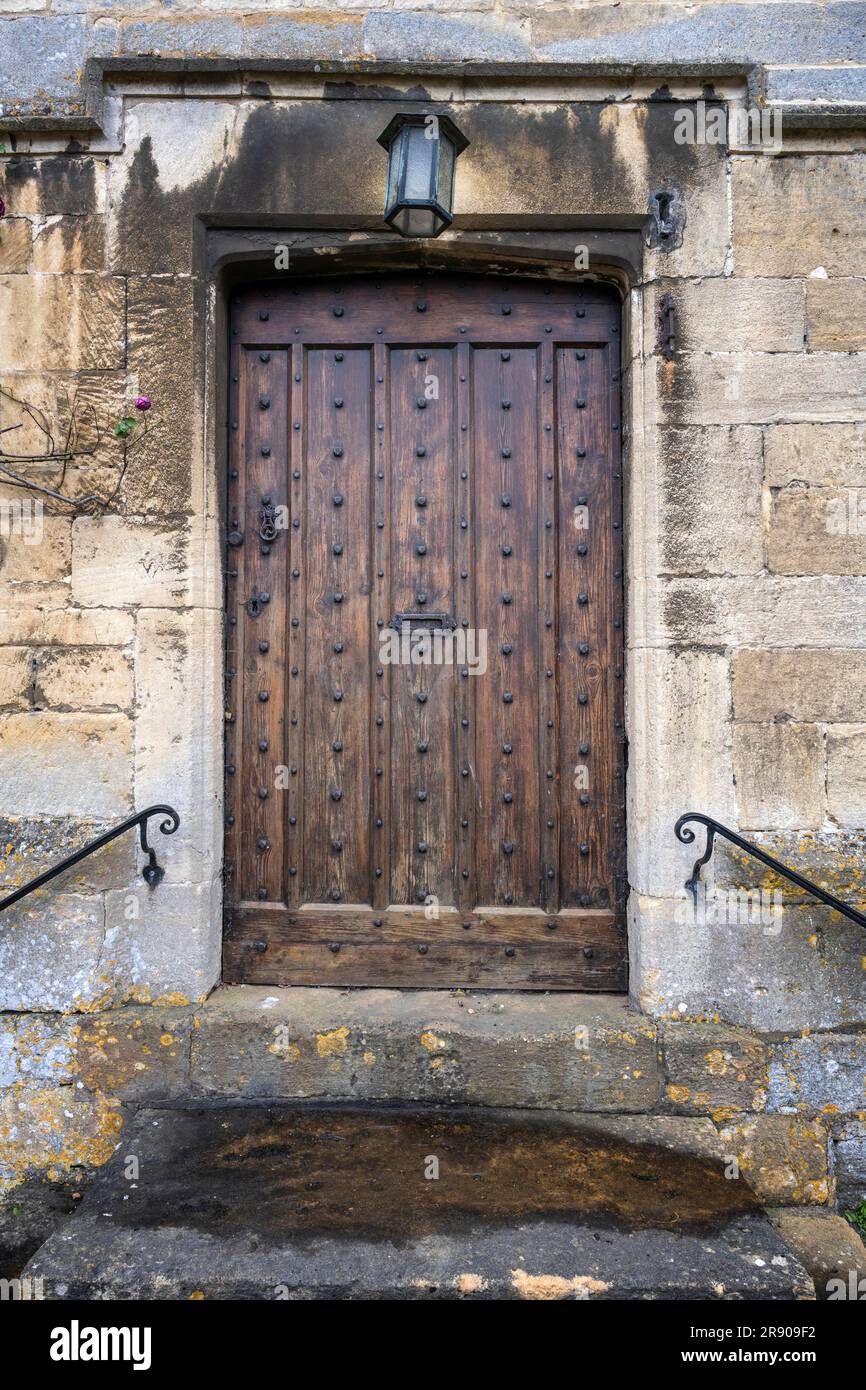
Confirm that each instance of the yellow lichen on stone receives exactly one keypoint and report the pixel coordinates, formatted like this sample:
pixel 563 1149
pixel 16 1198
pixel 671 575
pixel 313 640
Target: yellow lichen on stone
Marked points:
pixel 678 1094
pixel 47 1130
pixel 430 1040
pixel 328 1044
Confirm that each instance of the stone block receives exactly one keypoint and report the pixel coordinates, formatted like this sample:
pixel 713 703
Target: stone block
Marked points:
pixel 827 1246
pixel 51 953
pixel 60 322
pixel 179 718
pixel 677 699
pixel 460 37
pixel 66 627
pixel 742 388
pixel 803 686
pixel 817 530
pixel 832 858
pixel 771 611
pixel 15 246
pixel 566 1053
pixel 82 678
pixel 773 34
pixel 135 1054
pixel 161 362
pixel 128 563
pixel 34 566
pixel 66 764
pixel 163 945
pixel 779 770
pixel 44 1048
pixel 792 216
pixel 66 244
pixel 823 1072
pixel 800 85
pixel 45 186
pixel 42 57
pixel 711 1069
pixel 783 1159
pixel 17 390
pixel 30 845
pixel 831 454
pixel 15 675
pixel 725 314
pixel 53 1128
pixel 709 506
pixel 805 970
pixel 846 774
pixel 302 1202
pixel 849 1151
pixel 836 314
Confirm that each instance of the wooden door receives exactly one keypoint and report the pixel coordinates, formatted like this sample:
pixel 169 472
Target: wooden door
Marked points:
pixel 420 467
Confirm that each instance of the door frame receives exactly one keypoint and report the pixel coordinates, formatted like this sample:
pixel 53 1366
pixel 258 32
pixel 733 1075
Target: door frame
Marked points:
pixel 232 260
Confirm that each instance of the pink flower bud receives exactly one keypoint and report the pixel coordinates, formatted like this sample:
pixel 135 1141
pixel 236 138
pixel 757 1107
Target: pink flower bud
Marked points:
pixel 142 403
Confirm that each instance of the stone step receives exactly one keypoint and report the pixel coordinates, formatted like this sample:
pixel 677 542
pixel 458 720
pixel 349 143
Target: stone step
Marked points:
pixel 351 1202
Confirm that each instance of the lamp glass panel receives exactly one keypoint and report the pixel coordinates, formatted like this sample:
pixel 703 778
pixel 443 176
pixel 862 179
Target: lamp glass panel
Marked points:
pixel 445 181
pixel 420 163
pixel 394 154
pixel 417 222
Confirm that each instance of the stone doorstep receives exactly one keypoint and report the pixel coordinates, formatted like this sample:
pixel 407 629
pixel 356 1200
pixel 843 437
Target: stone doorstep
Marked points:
pixel 569 1051
pixel 360 1202
pixel 590 1052
pixel 257 1043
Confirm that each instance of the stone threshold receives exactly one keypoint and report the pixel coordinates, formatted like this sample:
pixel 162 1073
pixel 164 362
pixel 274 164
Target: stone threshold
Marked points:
pixel 587 1052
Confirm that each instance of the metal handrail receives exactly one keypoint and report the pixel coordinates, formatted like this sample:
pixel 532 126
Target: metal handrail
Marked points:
pixel 714 828
pixel 152 873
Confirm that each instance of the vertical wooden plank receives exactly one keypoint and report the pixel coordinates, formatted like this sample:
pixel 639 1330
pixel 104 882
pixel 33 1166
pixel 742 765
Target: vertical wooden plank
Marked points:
pixel 616 853
pixel 297 631
pixel 233 687
pixel 506 511
pixel 380 732
pixel 465 550
pixel 551 772
pixel 586 640
pixel 423 735
pixel 262 808
pixel 337 657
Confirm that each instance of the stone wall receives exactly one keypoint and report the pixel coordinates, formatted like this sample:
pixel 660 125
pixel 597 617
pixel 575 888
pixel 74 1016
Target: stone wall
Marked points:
pixel 129 138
